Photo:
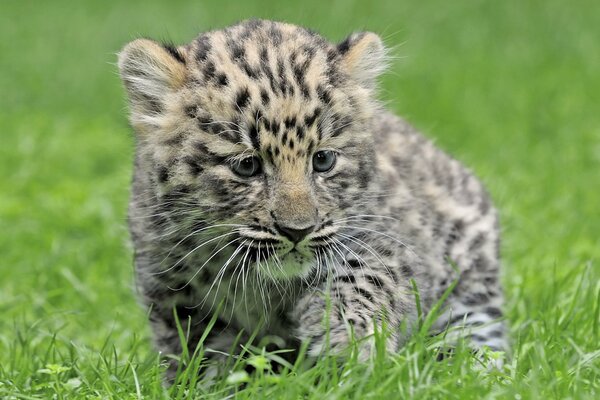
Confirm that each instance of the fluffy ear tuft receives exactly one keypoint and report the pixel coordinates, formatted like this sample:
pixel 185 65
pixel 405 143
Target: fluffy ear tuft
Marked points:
pixel 364 57
pixel 149 72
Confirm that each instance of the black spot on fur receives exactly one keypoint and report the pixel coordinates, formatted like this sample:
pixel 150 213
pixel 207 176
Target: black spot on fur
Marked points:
pixel 458 318
pixel 305 91
pixel 183 312
pixel 264 97
pixel 251 72
pixel 211 126
pixel 495 334
pixel 364 293
pixel 194 165
pixel 253 133
pixel 242 98
pixel 153 104
pixel 344 46
pixel 477 242
pixel 273 126
pixel 375 281
pixel 477 298
pixel 163 174
pixel 207 156
pixel 493 312
pixel 203 48
pixel 334 77
pixel 456 232
pixel 266 70
pixel 364 175
pixel 190 111
pixel 310 118
pixel 299 71
pixel 324 94
pixel 264 57
pixel 490 280
pixel 237 51
pixel 290 122
pixel 478 338
pixel 406 270
pixel 481 263
pixel 310 147
pixel 270 154
pixel 209 71
pixel 172 50
pixel 222 80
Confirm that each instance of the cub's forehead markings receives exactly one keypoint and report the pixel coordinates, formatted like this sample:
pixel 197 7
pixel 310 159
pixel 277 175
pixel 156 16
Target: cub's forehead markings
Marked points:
pixel 277 71
pixel 227 130
pixel 290 122
pixel 209 71
pixel 309 119
pixel 254 139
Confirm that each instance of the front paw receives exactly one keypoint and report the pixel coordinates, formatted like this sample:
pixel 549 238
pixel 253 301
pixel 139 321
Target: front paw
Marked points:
pixel 326 329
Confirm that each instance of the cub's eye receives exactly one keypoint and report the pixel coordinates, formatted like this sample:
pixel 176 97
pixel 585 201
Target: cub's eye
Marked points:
pixel 324 160
pixel 246 167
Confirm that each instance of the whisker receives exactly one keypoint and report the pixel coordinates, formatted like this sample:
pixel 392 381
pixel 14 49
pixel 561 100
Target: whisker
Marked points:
pixel 219 278
pixel 195 232
pixel 203 265
pixel 400 242
pixel 191 252
pixel 240 273
pixel 364 217
pixel 371 250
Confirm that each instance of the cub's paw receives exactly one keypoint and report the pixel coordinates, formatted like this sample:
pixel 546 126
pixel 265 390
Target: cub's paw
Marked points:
pixel 326 330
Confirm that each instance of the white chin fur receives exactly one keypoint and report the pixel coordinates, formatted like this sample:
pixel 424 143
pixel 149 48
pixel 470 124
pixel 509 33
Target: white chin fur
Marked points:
pixel 291 265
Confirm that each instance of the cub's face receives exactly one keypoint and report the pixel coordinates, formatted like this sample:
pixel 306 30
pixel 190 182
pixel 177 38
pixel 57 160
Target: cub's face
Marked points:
pixel 260 133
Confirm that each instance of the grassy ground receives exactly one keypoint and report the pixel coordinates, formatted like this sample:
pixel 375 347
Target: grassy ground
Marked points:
pixel 511 88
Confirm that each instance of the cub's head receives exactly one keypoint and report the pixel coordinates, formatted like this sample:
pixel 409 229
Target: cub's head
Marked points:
pixel 264 128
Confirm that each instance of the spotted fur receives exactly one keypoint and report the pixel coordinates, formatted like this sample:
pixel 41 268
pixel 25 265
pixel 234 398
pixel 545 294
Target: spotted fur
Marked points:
pixel 211 244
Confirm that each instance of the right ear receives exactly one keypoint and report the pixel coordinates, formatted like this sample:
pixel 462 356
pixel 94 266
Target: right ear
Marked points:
pixel 150 71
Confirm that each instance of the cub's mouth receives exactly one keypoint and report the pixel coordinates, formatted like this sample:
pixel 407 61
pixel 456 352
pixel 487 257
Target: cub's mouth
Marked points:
pixel 278 257
pixel 293 264
pixel 281 260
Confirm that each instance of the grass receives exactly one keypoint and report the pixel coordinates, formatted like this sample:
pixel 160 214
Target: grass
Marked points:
pixel 511 88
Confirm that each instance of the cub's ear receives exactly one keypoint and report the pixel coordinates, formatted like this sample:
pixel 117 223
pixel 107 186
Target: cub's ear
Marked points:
pixel 363 57
pixel 150 71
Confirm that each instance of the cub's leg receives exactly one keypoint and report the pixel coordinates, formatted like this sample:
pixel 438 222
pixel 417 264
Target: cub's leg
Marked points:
pixel 219 342
pixel 475 315
pixel 474 308
pixel 364 290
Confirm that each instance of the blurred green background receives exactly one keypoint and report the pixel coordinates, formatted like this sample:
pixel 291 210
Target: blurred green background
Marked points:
pixel 511 88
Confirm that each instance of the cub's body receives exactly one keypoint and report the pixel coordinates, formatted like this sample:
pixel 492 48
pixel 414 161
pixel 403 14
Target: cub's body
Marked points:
pixel 269 181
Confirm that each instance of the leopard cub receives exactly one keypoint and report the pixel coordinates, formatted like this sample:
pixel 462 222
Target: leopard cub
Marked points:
pixel 274 195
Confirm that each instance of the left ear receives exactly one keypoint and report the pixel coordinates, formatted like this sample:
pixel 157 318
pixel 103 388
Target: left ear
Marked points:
pixel 363 57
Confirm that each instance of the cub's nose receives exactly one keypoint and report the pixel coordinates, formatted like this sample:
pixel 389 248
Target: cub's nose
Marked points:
pixel 294 234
